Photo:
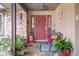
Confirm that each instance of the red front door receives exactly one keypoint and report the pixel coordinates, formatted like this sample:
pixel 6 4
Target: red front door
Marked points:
pixel 41 27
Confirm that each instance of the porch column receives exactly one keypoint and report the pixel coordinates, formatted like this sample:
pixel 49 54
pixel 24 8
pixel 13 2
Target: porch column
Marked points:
pixel 29 23
pixel 13 7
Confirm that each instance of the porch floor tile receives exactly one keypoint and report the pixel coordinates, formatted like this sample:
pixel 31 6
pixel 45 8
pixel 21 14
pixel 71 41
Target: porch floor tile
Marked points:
pixel 35 51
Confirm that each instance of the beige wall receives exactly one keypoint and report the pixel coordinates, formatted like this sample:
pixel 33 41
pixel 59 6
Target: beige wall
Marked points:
pixel 77 30
pixel 66 24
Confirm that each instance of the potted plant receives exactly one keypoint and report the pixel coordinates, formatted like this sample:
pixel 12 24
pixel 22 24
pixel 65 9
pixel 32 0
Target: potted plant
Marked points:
pixel 30 37
pixel 52 35
pixel 63 47
pixel 4 45
pixel 19 47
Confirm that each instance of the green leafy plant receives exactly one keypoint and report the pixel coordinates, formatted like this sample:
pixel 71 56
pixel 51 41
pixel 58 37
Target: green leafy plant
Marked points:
pixel 4 44
pixel 62 44
pixel 19 43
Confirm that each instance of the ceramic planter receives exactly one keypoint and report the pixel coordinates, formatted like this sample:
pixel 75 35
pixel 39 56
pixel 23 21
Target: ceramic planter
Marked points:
pixel 64 53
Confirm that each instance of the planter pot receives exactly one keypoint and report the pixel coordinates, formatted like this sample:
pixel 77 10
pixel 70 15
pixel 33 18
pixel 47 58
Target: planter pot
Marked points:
pixel 21 53
pixel 30 39
pixel 49 39
pixel 64 53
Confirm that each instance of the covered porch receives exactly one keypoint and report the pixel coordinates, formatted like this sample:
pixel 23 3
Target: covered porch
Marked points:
pixel 34 23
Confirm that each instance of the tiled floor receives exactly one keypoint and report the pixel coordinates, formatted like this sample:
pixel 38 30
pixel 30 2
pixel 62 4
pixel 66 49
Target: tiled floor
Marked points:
pixel 35 51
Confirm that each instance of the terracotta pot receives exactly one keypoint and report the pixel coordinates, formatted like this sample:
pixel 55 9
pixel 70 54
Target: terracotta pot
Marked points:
pixel 30 39
pixel 64 53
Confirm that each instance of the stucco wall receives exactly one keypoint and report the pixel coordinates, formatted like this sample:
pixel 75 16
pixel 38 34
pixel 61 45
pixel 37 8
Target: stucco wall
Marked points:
pixel 66 23
pixel 77 29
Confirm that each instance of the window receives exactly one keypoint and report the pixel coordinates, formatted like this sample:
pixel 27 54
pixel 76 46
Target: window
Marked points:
pixel 1 24
pixel 33 18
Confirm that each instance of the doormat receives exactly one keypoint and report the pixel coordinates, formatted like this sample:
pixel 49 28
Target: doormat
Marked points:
pixel 45 47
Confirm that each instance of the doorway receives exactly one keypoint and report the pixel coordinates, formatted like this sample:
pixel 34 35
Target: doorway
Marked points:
pixel 41 26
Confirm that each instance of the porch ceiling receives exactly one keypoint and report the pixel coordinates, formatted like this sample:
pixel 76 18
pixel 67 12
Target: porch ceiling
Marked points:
pixel 6 6
pixel 39 6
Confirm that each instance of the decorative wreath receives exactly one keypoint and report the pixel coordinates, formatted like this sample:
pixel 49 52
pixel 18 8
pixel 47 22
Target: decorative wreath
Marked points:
pixel 41 19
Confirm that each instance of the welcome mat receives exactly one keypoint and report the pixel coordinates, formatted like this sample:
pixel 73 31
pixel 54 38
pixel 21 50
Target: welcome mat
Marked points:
pixel 45 47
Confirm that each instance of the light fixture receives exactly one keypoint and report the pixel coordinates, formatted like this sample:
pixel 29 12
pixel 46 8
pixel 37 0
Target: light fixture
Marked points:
pixel 44 7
